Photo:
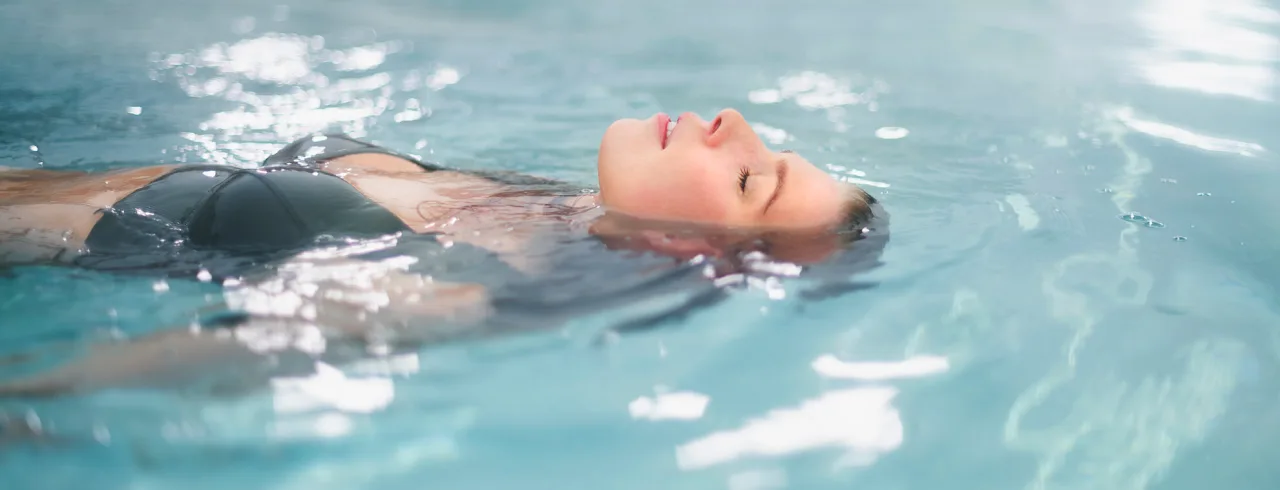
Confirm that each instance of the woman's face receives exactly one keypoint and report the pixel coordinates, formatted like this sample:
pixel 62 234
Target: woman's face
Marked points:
pixel 712 172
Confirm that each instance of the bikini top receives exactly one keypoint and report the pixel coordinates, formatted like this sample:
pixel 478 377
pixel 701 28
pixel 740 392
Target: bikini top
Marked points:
pixel 285 205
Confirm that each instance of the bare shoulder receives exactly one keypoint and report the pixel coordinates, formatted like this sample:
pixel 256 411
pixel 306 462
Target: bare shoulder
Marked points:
pixel 373 162
pixel 101 189
pixel 44 214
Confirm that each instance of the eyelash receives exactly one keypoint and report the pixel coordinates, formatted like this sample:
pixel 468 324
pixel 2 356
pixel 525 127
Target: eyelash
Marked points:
pixel 742 179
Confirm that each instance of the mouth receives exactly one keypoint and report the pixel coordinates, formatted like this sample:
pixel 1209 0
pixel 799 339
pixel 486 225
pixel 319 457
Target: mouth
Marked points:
pixel 665 127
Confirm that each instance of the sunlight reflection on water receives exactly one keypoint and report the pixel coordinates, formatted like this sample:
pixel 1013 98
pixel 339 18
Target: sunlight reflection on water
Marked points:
pixel 1210 47
pixel 285 86
pixel 1001 229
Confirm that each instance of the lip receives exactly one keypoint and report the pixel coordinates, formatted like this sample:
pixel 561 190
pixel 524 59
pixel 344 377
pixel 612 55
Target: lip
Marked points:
pixel 663 120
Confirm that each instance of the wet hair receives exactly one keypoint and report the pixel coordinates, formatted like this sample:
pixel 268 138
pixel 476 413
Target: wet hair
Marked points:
pixel 863 233
pixel 858 206
pixel 858 211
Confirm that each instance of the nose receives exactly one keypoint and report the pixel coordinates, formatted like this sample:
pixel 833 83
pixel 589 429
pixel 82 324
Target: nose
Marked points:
pixel 729 126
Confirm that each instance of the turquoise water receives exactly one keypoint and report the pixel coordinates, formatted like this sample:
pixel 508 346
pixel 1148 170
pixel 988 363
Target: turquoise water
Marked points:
pixel 1028 329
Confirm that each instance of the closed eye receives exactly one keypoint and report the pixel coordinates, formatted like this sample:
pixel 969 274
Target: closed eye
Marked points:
pixel 742 179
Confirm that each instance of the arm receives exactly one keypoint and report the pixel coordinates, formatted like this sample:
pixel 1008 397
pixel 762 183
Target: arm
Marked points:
pixel 306 312
pixel 368 301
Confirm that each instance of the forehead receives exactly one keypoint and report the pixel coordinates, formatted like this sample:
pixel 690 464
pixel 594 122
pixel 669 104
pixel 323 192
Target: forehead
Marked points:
pixel 810 197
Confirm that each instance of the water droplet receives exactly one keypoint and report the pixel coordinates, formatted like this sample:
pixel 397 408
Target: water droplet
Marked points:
pixel 33 421
pixel 1133 217
pixel 1179 238
pixel 35 148
pixel 1169 181
pixel 1204 194
pixel 204 276
pixel 160 286
pixel 764 96
pixel 610 338
pixel 135 110
pixel 1153 224
pixel 1106 190
pixel 1055 141
pixel 1090 167
pixel 891 133
pixel 101 434
pixel 380 349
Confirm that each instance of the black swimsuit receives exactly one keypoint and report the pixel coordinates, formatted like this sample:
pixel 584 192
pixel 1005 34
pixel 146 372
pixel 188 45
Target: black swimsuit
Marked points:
pixel 199 210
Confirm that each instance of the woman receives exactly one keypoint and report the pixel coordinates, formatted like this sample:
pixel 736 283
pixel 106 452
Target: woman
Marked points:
pixel 688 189
pixel 684 171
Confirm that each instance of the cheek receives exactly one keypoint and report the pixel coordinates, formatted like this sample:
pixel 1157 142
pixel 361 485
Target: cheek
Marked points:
pixel 679 194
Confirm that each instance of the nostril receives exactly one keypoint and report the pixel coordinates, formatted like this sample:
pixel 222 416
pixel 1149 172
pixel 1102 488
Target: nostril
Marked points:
pixel 716 124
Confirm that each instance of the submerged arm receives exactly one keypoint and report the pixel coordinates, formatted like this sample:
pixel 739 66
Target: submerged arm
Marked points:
pixel 310 309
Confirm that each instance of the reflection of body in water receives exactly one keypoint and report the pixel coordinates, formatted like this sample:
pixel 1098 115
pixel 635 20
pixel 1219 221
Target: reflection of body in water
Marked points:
pixel 336 248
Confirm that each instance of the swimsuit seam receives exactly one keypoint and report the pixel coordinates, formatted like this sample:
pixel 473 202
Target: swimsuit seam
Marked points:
pixel 185 219
pixel 284 202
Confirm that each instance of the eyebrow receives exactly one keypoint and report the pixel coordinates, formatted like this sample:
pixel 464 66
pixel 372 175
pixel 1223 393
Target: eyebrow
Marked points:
pixel 777 188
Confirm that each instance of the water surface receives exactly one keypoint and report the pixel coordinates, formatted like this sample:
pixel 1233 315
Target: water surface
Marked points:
pixel 1022 334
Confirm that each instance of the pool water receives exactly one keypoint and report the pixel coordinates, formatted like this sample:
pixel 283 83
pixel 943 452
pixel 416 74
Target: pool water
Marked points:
pixel 1080 291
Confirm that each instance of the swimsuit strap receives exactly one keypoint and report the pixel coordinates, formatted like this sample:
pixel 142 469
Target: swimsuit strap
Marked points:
pixel 311 151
